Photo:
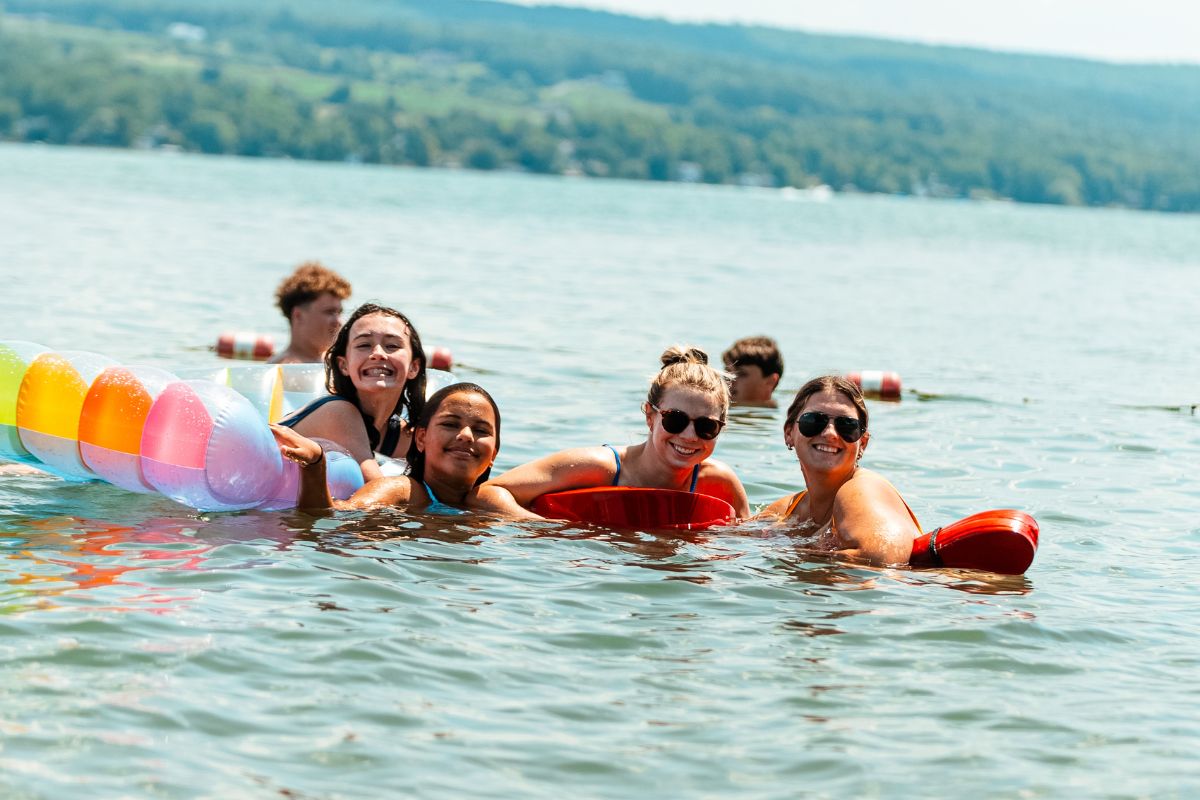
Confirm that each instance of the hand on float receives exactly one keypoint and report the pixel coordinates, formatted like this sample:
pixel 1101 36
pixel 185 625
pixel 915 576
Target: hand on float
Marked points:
pixel 294 447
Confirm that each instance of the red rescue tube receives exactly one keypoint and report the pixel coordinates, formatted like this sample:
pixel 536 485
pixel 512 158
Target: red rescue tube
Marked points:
pixel 1002 541
pixel 876 384
pixel 632 507
pixel 246 346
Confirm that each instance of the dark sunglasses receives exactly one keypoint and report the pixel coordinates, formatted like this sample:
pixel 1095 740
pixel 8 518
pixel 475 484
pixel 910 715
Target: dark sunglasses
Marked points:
pixel 810 423
pixel 675 421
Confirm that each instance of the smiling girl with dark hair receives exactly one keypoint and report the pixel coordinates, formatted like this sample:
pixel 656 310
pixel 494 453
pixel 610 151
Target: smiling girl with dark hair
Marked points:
pixel 375 374
pixel 454 443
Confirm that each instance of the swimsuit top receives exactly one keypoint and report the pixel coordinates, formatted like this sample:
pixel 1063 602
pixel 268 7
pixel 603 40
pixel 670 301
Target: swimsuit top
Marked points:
pixel 437 506
pixel 832 525
pixel 617 477
pixel 391 436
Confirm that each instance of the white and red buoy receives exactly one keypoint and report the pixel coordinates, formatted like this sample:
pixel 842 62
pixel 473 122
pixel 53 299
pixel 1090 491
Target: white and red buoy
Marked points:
pixel 876 384
pixel 249 346
pixel 245 346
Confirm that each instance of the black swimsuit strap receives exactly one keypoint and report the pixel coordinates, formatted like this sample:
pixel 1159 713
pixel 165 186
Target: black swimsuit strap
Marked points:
pixel 300 415
pixel 391 434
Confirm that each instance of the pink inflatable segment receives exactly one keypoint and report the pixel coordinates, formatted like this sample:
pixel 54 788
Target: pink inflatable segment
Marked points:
pixel 49 404
pixel 112 422
pixel 205 446
pixel 15 358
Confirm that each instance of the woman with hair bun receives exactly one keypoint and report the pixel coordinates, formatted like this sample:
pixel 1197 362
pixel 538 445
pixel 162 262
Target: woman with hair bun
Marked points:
pixel 685 411
pixel 847 508
pixel 375 374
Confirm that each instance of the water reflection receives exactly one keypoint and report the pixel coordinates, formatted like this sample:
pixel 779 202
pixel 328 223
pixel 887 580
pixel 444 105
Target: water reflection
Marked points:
pixel 53 557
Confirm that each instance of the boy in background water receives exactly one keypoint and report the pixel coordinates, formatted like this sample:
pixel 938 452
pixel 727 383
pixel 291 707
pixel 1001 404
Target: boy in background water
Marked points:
pixel 757 366
pixel 311 300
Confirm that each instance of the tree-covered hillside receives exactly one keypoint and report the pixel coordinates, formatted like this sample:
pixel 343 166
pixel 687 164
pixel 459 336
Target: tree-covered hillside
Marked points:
pixel 554 90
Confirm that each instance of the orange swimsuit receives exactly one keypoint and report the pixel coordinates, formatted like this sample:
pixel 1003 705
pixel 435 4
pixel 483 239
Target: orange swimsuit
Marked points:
pixel 832 525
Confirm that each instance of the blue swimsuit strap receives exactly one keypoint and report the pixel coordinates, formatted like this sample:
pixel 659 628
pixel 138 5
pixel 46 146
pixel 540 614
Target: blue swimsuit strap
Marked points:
pixel 437 506
pixel 617 478
pixel 617 456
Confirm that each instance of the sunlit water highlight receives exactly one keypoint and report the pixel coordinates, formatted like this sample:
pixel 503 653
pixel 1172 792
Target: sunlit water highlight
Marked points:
pixel 1050 357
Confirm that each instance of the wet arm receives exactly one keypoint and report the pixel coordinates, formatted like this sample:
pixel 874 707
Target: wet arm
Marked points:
pixel 873 522
pixel 569 469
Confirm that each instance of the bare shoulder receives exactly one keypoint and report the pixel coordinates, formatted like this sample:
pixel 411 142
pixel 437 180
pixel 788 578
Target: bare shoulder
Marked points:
pixel 869 489
pixel 872 519
pixel 718 479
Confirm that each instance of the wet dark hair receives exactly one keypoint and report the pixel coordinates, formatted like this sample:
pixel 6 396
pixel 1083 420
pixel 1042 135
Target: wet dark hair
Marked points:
pixel 755 351
pixel 816 386
pixel 413 398
pixel 416 458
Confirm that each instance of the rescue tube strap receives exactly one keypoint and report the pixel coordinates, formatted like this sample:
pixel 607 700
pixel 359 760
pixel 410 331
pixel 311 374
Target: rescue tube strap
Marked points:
pixel 933 553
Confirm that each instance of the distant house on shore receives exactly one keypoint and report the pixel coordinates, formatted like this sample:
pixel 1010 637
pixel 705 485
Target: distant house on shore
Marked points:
pixel 186 32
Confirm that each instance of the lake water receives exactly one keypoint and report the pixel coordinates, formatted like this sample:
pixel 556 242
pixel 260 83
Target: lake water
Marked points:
pixel 1050 363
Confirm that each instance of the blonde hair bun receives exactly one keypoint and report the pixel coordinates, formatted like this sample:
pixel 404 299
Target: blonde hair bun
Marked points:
pixel 678 354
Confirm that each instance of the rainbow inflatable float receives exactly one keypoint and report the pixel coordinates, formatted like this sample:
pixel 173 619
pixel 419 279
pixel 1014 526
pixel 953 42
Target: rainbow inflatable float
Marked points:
pixel 199 442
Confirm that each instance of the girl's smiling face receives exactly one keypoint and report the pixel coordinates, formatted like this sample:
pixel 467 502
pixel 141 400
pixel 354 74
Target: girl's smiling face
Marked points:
pixel 461 440
pixel 379 354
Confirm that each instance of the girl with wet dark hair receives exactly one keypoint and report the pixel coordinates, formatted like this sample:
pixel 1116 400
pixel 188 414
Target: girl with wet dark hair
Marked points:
pixel 375 374
pixel 454 444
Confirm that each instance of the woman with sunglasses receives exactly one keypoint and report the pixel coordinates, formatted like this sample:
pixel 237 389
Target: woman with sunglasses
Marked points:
pixel 846 507
pixel 685 412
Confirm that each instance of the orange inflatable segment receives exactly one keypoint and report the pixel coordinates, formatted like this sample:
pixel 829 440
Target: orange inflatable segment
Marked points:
pixel 1002 541
pixel 53 390
pixel 115 408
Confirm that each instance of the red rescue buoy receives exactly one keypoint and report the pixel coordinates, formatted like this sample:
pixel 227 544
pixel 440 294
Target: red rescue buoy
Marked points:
pixel 247 346
pixel 632 507
pixel 1002 541
pixel 876 384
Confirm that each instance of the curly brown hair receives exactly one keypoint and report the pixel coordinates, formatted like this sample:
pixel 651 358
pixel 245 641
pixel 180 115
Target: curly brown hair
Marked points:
pixel 310 280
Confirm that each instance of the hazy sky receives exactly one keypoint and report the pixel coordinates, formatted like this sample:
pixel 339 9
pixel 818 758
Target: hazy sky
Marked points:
pixel 1114 30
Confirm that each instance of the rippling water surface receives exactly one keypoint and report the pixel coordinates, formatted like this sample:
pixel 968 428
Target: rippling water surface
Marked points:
pixel 1050 363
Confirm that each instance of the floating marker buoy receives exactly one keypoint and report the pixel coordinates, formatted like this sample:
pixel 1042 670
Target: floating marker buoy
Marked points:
pixel 876 384
pixel 245 346
pixel 440 358
pixel 249 346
